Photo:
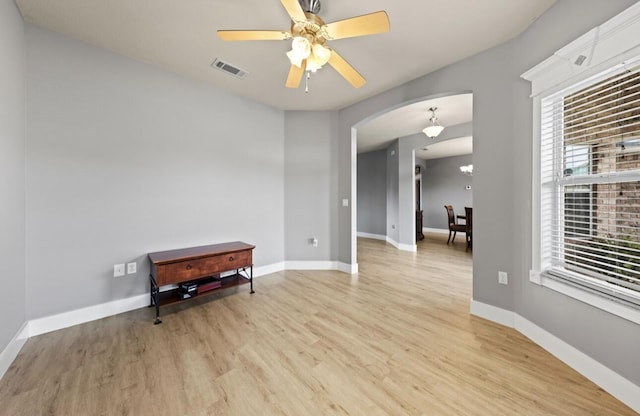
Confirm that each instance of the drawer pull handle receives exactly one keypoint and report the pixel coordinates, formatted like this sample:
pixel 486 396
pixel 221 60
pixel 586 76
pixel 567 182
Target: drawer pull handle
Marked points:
pixel 230 258
pixel 189 267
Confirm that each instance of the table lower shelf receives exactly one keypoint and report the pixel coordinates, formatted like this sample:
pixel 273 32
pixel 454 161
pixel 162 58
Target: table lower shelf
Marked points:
pixel 169 297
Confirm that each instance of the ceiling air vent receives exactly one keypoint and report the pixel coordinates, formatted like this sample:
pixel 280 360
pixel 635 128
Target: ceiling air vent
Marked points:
pixel 229 69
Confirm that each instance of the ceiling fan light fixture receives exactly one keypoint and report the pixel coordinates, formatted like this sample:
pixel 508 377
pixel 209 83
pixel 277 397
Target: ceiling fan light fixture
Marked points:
pixel 309 33
pixel 319 56
pixel 300 50
pixel 433 129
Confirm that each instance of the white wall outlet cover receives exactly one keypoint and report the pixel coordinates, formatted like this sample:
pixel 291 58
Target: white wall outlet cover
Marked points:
pixel 503 278
pixel 132 268
pixel 345 202
pixel 118 270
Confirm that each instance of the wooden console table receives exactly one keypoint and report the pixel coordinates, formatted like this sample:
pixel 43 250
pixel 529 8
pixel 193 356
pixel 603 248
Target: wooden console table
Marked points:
pixel 202 265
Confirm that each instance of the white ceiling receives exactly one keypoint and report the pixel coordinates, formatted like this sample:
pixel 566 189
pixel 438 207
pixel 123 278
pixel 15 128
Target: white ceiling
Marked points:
pixel 411 118
pixel 447 148
pixel 180 35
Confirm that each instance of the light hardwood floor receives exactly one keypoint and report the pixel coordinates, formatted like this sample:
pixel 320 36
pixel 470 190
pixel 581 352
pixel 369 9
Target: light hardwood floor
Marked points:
pixel 396 339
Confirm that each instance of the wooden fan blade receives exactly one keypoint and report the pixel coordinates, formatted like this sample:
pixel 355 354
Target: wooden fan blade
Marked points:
pixel 253 34
pixel 295 75
pixel 368 24
pixel 346 70
pixel 294 9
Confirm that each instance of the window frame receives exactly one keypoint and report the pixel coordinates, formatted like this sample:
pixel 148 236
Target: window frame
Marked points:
pixel 605 48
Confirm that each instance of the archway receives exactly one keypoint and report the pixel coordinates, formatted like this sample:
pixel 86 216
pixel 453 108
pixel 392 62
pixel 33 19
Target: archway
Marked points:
pixel 397 131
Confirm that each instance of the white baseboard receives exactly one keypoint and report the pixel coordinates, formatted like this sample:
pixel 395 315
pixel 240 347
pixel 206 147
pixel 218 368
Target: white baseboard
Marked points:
pixel 305 265
pixel 91 313
pixel 311 265
pixel 268 269
pixel 13 349
pixel 322 265
pixel 493 313
pixel 435 230
pixel 612 382
pixel 408 247
pixel 403 247
pixel 348 268
pixel 62 320
pixel 372 236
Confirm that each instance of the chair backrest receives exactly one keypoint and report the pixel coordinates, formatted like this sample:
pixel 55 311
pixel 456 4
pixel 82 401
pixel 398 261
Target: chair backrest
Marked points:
pixel 468 212
pixel 452 218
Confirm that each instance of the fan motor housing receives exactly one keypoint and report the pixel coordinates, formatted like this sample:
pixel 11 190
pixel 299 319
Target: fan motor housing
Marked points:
pixel 311 6
pixel 313 29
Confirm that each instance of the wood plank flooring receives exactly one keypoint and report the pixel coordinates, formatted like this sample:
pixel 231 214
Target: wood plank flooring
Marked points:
pixel 396 339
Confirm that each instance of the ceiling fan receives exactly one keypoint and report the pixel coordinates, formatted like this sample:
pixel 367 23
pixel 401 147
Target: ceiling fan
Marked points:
pixel 309 34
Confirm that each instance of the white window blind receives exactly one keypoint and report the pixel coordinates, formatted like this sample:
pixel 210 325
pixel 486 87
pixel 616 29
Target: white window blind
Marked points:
pixel 590 184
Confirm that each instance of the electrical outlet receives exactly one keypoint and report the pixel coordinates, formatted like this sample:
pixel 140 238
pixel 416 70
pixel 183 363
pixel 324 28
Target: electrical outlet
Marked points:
pixel 503 278
pixel 132 268
pixel 314 242
pixel 345 202
pixel 118 270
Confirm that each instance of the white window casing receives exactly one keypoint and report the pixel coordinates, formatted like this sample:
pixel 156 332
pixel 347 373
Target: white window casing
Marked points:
pixel 586 168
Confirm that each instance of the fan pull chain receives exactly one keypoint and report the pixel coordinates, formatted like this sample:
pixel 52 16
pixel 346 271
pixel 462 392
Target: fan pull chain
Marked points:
pixel 306 83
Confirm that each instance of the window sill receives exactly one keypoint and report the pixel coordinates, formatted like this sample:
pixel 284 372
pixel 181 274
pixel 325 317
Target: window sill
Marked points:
pixel 598 301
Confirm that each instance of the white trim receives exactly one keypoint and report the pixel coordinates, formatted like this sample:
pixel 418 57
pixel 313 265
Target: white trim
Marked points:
pixel 12 350
pixel 372 236
pixel 408 247
pixel 404 247
pixel 392 242
pixel 607 46
pixel 348 268
pixel 435 230
pixel 62 320
pixel 600 302
pixel 310 265
pixel 492 313
pixel 616 39
pixel 268 269
pixel 305 265
pixel 612 382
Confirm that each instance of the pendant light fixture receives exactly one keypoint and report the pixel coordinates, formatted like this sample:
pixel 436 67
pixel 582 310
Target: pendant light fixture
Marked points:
pixel 434 128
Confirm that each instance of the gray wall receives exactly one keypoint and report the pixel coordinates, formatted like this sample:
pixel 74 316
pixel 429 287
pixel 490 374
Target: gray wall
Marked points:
pixel 311 155
pixel 124 159
pixel 372 192
pixel 444 184
pixel 12 179
pixel 502 133
pixel 605 337
pixel 393 189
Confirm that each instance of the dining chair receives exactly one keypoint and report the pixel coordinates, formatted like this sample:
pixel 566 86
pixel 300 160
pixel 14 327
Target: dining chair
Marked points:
pixel 454 227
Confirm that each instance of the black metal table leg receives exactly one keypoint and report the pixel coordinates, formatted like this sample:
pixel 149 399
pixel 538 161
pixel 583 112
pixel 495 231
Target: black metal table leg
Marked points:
pixel 251 279
pixel 155 299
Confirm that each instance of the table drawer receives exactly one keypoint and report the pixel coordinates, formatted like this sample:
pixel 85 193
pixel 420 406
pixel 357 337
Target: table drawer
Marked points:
pixel 194 269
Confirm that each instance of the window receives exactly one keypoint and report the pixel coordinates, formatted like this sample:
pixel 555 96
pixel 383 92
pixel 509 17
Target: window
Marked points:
pixel 590 184
pixel 577 198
